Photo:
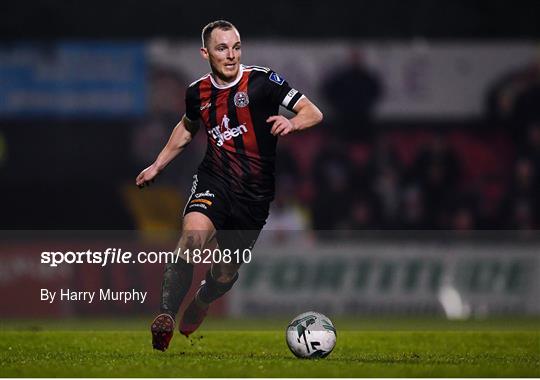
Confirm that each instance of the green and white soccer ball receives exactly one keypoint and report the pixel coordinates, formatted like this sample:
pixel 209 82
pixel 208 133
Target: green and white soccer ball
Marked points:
pixel 311 335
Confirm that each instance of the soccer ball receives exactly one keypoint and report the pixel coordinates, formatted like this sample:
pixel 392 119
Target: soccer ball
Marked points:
pixel 311 335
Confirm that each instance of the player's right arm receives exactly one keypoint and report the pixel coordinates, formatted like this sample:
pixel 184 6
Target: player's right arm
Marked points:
pixel 180 137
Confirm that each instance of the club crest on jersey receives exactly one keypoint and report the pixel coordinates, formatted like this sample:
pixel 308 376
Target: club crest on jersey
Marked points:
pixel 223 132
pixel 241 99
pixel 274 77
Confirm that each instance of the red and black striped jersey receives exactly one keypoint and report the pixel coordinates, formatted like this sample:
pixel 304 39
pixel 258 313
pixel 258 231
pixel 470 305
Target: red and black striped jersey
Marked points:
pixel 241 150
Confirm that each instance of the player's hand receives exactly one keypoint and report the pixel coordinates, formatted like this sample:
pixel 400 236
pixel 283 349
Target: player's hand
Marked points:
pixel 147 176
pixel 281 125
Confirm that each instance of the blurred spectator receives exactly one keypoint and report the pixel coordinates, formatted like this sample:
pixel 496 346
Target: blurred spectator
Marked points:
pixel 147 140
pixel 512 101
pixel 167 106
pixel 462 212
pixel 463 219
pixel 167 91
pixel 412 210
pixel 352 91
pixel 332 175
pixel 286 165
pixel 436 170
pixel 364 212
pixel 287 217
pixel 520 208
pixel 383 173
pixel 532 145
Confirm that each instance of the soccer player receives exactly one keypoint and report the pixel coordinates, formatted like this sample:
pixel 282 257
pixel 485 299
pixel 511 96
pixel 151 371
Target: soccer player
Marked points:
pixel 238 108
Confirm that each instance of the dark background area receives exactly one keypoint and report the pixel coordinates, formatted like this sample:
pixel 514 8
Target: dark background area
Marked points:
pixel 380 19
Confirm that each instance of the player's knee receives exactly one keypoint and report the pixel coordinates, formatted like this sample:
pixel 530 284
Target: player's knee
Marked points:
pixel 223 274
pixel 225 278
pixel 191 240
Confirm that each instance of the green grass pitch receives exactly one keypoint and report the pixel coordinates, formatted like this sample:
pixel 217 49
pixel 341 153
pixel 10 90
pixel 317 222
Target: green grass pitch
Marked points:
pixel 365 348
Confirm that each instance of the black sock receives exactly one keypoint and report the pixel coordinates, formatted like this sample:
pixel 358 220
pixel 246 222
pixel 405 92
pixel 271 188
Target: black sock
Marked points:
pixel 176 283
pixel 212 289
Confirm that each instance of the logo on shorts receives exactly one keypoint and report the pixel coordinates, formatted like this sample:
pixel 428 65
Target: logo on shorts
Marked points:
pixel 207 193
pixel 223 132
pixel 198 205
pixel 241 99
pixel 205 201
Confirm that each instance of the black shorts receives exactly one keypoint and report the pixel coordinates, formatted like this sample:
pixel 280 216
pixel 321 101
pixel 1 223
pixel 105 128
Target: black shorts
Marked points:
pixel 238 222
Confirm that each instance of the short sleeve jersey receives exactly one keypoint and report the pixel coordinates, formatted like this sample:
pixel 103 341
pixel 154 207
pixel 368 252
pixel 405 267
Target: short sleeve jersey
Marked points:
pixel 241 150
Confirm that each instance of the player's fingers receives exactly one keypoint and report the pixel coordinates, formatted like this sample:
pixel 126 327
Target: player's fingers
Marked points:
pixel 285 131
pixel 141 176
pixel 279 129
pixel 288 128
pixel 142 181
pixel 274 127
pixel 272 118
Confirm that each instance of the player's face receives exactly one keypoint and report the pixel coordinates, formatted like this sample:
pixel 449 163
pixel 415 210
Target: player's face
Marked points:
pixel 223 53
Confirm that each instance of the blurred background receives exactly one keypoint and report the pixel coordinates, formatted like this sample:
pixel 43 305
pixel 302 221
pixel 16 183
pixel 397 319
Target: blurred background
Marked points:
pixel 432 122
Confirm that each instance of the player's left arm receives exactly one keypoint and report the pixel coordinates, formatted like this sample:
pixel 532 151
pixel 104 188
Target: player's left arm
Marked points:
pixel 307 115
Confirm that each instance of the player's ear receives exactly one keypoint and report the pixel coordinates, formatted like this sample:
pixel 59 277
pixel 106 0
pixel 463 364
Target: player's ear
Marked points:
pixel 204 53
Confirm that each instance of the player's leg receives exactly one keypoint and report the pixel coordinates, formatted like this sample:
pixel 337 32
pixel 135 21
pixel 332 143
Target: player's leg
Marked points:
pixel 198 232
pixel 219 279
pixel 222 275
pixel 245 223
